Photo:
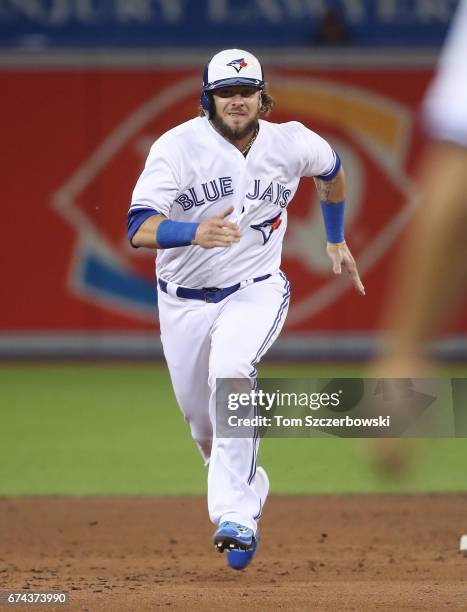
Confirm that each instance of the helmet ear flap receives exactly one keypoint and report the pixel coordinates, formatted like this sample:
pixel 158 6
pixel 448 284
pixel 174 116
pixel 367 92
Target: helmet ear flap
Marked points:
pixel 206 103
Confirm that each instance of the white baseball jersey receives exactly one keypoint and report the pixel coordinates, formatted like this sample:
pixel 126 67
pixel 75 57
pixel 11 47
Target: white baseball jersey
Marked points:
pixel 192 173
pixel 445 107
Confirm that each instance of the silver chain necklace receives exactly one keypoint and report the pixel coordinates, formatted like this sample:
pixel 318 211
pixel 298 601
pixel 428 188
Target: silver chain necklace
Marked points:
pixel 250 144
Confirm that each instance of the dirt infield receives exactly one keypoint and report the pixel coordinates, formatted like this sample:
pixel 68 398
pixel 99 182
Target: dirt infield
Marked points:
pixel 317 553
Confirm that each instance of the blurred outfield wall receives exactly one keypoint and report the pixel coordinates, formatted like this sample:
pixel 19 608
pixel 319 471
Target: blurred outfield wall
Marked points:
pixel 77 127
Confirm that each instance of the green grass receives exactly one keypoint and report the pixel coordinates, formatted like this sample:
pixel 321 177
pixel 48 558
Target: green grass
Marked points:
pixel 116 429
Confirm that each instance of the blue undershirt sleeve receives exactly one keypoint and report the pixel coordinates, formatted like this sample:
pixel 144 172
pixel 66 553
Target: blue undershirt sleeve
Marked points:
pixel 136 218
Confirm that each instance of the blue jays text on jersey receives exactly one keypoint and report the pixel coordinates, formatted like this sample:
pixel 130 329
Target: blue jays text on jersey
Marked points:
pixel 214 189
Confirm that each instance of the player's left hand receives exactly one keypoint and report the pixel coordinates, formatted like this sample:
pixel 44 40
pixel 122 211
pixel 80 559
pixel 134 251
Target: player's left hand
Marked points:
pixel 341 256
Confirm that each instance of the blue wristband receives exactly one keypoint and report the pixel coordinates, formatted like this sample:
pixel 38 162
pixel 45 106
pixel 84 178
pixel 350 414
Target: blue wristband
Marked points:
pixel 172 234
pixel 333 216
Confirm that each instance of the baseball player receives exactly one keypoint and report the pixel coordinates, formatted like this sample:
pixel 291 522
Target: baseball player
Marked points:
pixel 431 275
pixel 430 278
pixel 212 199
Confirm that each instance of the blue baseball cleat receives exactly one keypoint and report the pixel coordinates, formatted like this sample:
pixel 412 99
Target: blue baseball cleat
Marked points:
pixel 239 542
pixel 233 535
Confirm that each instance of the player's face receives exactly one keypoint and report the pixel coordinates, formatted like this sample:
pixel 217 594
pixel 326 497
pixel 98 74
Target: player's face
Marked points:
pixel 237 109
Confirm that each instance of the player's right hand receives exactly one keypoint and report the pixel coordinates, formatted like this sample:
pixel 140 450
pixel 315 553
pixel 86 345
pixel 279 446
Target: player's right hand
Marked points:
pixel 341 257
pixel 217 232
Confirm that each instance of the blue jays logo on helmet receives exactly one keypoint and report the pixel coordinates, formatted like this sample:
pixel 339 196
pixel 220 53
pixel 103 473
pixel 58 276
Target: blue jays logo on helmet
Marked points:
pixel 229 68
pixel 238 64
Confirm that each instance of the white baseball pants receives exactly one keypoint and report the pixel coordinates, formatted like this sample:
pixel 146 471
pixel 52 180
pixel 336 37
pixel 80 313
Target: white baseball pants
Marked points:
pixel 202 342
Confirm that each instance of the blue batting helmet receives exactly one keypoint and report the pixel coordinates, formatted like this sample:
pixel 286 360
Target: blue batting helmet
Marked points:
pixel 227 68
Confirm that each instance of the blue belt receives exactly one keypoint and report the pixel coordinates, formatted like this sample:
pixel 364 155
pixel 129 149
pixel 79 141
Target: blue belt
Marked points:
pixel 211 295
